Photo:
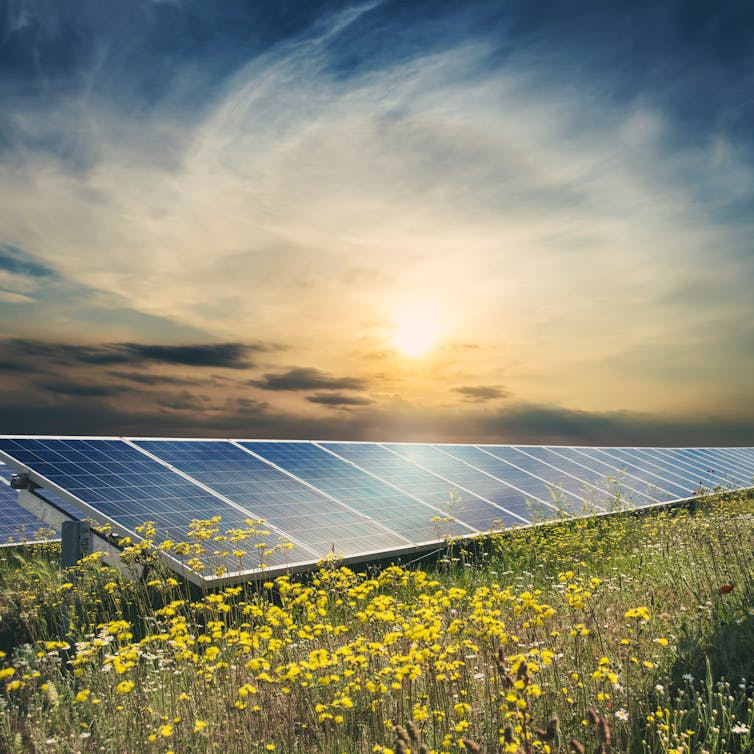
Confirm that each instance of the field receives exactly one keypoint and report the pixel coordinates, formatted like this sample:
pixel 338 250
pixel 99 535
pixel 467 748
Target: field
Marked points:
pixel 629 633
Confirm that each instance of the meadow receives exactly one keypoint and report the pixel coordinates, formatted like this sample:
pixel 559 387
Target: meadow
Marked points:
pixel 626 633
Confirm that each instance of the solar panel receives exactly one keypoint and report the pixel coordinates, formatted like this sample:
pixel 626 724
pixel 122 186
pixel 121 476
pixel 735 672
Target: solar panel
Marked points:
pixel 361 491
pixel 118 484
pixel 283 505
pixel 515 505
pixel 554 488
pixel 623 489
pixel 448 501
pixel 656 484
pixel 321 523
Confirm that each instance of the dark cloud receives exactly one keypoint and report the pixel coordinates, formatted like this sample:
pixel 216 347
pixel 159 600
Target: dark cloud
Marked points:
pixel 306 378
pixel 538 424
pixel 83 390
pixel 227 355
pixel 339 400
pixel 218 355
pixel 481 393
pixel 18 262
pixel 144 378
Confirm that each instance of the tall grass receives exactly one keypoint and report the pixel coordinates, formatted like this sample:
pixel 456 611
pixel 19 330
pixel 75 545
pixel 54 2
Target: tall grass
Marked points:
pixel 631 633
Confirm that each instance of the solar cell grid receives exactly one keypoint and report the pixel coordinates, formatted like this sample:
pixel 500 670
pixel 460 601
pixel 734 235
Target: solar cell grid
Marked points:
pixel 715 472
pixel 514 506
pixel 729 463
pixel 557 498
pixel 148 491
pixel 304 514
pixel 17 525
pixel 343 481
pixel 436 493
pixel 620 488
pixel 657 463
pixel 663 488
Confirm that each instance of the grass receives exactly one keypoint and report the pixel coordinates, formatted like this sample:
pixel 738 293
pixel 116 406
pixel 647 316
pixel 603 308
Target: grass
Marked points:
pixel 629 633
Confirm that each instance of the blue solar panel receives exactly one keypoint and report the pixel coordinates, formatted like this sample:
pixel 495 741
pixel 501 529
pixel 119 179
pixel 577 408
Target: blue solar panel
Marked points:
pixel 572 494
pixel 447 501
pixel 556 489
pixel 352 486
pixel 651 460
pixel 349 499
pixel 729 464
pixel 716 472
pixel 303 513
pixel 623 490
pixel 125 487
pixel 656 485
pixel 516 506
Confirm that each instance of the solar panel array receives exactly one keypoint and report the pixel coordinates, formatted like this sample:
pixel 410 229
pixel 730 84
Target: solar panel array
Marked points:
pixel 287 504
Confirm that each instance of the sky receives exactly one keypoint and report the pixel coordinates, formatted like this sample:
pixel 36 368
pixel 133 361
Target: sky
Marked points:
pixel 407 220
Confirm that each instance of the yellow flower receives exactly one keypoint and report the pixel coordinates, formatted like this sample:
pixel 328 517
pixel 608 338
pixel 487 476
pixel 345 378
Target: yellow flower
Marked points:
pixel 83 695
pixel 6 673
pixel 199 726
pixel 166 731
pixel 125 687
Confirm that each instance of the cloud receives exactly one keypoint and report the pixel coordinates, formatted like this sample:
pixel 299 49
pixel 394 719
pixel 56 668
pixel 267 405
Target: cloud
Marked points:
pixel 218 355
pixel 83 390
pixel 481 393
pixel 227 355
pixel 339 400
pixel 307 378
pixel 145 378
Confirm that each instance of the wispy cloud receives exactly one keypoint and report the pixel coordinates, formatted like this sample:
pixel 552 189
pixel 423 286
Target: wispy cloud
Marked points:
pixel 556 194
pixel 338 400
pixel 481 393
pixel 307 378
pixel 218 355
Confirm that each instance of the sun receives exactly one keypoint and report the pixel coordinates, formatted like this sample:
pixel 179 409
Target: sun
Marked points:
pixel 415 331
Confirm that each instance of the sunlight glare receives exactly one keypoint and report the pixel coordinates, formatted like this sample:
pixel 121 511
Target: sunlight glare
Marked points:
pixel 416 331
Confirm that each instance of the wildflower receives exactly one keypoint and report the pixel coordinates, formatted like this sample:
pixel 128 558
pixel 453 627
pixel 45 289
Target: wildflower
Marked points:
pixel 199 726
pixel 688 677
pixel 166 730
pixel 83 695
pixel 125 687
pixel 740 729
pixel 726 588
pixel 621 714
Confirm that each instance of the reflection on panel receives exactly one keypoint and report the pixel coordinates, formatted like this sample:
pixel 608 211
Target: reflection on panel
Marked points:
pixel 300 512
pixel 446 500
pixel 509 499
pixel 655 462
pixel 656 484
pixel 556 499
pixel 558 477
pixel 363 493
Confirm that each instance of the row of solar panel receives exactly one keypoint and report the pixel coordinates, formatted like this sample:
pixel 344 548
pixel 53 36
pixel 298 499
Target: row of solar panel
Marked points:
pixel 357 498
